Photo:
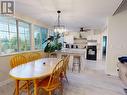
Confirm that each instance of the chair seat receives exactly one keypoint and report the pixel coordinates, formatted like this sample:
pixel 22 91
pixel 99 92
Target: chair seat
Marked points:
pixel 44 84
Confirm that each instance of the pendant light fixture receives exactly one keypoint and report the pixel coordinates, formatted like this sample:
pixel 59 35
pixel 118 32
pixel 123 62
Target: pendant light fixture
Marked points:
pixel 59 28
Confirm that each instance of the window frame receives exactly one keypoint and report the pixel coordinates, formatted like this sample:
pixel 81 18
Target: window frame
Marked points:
pixel 41 30
pixel 18 20
pixel 8 21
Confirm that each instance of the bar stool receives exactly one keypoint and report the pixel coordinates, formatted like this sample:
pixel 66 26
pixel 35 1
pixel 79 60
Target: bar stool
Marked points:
pixel 76 62
pixel 53 55
pixel 63 56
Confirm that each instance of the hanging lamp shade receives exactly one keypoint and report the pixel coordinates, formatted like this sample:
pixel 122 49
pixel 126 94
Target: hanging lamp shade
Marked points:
pixel 59 28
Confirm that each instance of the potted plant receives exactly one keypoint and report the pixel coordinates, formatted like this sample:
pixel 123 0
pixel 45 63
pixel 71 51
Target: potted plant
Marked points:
pixel 53 44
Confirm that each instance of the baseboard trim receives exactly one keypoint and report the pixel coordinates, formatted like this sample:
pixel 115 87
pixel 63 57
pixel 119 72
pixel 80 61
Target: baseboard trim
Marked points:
pixel 2 83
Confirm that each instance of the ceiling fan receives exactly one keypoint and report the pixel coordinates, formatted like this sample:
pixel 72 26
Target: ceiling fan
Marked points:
pixel 82 29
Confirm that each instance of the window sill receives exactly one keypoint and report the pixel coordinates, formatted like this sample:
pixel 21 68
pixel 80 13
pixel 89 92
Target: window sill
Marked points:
pixel 10 54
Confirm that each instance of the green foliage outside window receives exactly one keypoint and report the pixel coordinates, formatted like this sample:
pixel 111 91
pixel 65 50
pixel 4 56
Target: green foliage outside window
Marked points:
pixel 9 41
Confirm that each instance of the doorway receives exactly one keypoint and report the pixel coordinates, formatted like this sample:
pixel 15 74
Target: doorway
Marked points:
pixel 104 46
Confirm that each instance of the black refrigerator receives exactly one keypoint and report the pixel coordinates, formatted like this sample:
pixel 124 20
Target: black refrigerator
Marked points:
pixel 91 52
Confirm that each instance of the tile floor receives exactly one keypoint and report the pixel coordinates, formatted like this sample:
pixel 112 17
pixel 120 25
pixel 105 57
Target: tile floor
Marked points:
pixel 90 81
pixel 93 81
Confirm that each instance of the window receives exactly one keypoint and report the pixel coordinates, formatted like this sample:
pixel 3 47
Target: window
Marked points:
pixel 40 35
pixel 44 36
pixel 24 36
pixel 37 37
pixel 8 35
pixel 15 35
pixel 12 40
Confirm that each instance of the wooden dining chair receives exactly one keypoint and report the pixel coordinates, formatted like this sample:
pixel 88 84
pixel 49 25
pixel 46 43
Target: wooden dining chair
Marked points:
pixel 16 61
pixel 64 68
pixel 40 54
pixel 33 56
pixel 63 56
pixel 52 82
pixel 26 55
pixel 52 55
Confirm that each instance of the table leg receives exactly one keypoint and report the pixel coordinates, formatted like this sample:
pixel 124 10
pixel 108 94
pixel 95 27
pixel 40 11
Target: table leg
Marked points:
pixel 17 87
pixel 35 87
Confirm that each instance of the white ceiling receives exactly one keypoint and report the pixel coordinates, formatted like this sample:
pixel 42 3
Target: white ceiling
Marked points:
pixel 75 13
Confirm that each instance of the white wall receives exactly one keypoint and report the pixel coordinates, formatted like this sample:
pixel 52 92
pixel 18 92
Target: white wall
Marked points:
pixel 30 20
pixel 69 39
pixel 117 38
pixel 4 68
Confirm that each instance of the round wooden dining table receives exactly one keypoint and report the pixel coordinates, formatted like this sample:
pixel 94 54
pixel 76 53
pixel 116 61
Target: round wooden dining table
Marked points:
pixel 33 71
